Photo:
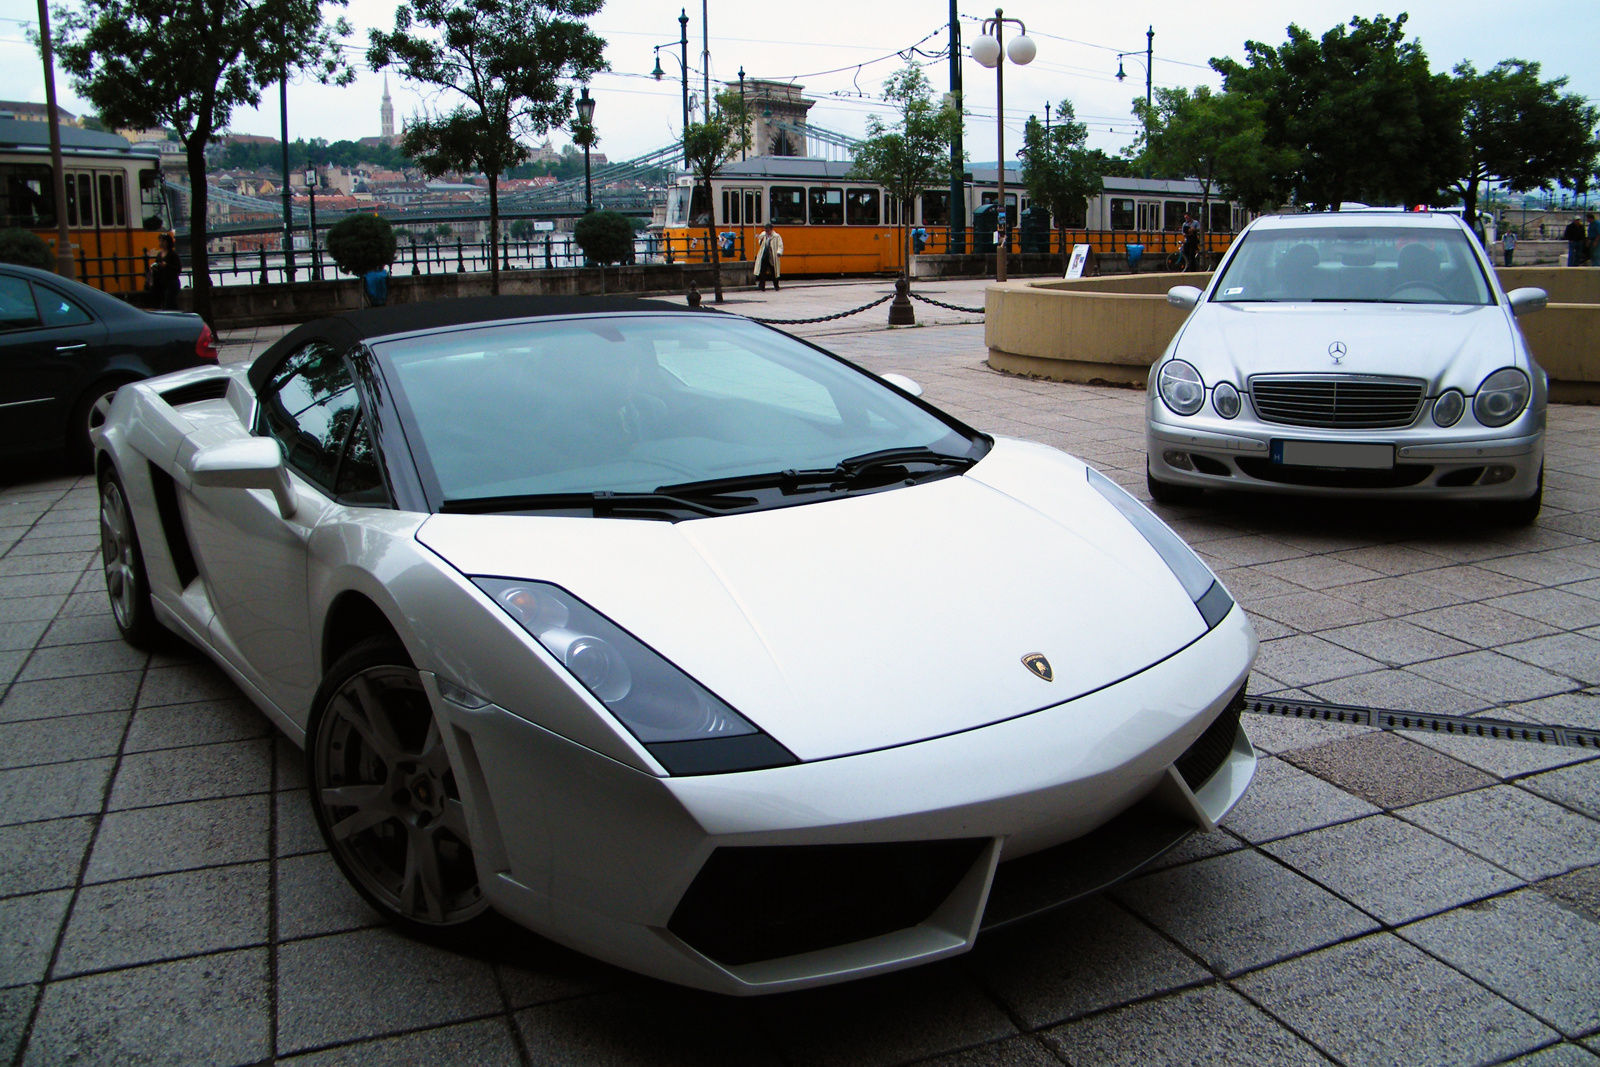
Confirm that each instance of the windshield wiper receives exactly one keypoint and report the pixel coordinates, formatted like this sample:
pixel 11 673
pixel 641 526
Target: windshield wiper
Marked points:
pixel 845 474
pixel 600 503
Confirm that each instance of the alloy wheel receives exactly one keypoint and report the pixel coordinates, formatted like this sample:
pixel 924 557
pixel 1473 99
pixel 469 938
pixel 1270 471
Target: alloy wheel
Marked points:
pixel 390 801
pixel 117 553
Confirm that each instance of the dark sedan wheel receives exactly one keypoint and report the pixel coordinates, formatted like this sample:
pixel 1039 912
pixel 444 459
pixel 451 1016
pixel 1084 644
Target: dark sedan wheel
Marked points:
pixel 126 582
pixel 386 797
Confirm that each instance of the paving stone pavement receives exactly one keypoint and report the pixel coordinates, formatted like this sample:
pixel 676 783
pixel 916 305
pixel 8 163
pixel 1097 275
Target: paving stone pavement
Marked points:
pixel 1378 898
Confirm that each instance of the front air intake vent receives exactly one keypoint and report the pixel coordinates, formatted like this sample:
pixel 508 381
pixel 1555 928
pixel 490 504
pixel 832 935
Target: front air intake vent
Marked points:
pixel 1203 757
pixel 1336 401
pixel 764 903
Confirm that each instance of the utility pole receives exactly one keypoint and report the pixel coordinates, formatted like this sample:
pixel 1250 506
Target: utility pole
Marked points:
pixel 957 243
pixel 288 216
pixel 705 57
pixel 64 264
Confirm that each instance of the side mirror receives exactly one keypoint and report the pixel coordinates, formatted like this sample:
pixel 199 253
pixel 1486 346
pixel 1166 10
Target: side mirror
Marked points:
pixel 1527 301
pixel 901 382
pixel 1183 296
pixel 254 463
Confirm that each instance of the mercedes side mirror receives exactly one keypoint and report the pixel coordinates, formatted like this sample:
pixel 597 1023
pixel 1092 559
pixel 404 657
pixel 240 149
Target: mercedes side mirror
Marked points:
pixel 1183 296
pixel 901 382
pixel 1527 301
pixel 253 463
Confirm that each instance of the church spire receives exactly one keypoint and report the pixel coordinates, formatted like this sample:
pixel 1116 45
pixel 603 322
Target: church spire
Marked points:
pixel 386 113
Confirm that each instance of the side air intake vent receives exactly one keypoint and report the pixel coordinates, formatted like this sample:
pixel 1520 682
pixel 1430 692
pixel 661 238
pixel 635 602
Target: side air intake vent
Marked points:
pixel 195 392
pixel 166 494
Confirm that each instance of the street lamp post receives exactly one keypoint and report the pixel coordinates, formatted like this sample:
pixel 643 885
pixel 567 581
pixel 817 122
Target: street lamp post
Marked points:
pixel 987 51
pixel 288 213
pixel 1149 61
pixel 586 121
pixel 311 187
pixel 744 141
pixel 683 60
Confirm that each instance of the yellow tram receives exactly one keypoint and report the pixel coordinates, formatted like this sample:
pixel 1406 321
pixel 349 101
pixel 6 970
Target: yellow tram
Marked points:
pixel 835 225
pixel 114 204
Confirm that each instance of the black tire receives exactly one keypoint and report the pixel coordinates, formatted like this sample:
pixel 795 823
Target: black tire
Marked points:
pixel 1175 496
pixel 79 449
pixel 122 557
pixel 1517 512
pixel 385 796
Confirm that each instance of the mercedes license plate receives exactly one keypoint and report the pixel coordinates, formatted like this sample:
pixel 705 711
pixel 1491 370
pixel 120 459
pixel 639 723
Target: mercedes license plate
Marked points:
pixel 1333 454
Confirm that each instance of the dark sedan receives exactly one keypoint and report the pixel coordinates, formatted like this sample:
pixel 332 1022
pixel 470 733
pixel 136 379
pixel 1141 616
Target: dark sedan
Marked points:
pixel 64 345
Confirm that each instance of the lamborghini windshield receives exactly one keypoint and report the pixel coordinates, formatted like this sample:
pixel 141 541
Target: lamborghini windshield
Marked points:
pixel 640 404
pixel 1355 264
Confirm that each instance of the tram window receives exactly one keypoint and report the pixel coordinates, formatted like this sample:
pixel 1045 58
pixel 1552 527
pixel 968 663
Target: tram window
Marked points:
pixel 107 202
pixel 678 205
pixel 861 207
pixel 752 207
pixel 16 305
pixel 788 205
pixel 730 208
pixel 1077 217
pixel 1121 214
pixel 1220 222
pixel 891 211
pixel 30 195
pixel 935 208
pixel 119 185
pixel 699 210
pixel 85 200
pixel 827 207
pixel 151 207
pixel 1174 215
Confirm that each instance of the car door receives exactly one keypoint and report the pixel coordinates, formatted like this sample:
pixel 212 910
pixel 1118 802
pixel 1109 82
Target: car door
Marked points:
pixel 253 559
pixel 46 340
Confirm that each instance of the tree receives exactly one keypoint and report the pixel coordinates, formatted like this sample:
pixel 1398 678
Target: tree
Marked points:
pixel 1218 139
pixel 708 147
pixel 1521 132
pixel 1058 171
pixel 502 63
pixel 149 63
pixel 361 244
pixel 913 153
pixel 1358 114
pixel 26 248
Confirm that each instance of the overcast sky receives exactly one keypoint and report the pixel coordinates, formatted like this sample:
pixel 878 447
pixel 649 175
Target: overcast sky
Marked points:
pixel 809 43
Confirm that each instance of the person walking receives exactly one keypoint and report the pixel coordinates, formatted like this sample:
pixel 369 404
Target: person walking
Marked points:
pixel 1191 243
pixel 1576 237
pixel 769 253
pixel 1508 241
pixel 1594 241
pixel 165 273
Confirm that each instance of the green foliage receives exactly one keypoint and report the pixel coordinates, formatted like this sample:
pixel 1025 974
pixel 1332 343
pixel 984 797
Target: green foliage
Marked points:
pixel 360 244
pixel 1058 170
pixel 1218 139
pixel 27 249
pixel 149 63
pixel 1354 115
pixel 1522 132
pixel 269 157
pixel 507 64
pixel 522 229
pixel 914 152
pixel 605 236
pixel 708 147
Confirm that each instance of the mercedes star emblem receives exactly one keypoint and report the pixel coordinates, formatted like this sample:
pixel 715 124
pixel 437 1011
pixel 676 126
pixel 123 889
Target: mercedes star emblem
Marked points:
pixel 1336 350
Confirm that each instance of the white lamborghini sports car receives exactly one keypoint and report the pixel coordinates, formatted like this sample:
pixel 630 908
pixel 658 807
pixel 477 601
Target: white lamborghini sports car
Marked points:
pixel 674 638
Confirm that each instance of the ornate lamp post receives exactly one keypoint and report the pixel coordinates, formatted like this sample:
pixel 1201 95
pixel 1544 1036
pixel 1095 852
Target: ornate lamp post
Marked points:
pixel 586 126
pixel 1149 59
pixel 311 187
pixel 988 52
pixel 683 60
pixel 742 153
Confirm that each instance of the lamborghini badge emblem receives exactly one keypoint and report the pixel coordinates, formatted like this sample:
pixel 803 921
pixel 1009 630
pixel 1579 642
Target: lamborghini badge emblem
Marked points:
pixel 1036 663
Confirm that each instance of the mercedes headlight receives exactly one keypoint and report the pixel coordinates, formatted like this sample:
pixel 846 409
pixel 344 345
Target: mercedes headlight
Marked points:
pixel 684 725
pixel 1225 399
pixel 1501 397
pixel 1181 387
pixel 1448 408
pixel 1208 595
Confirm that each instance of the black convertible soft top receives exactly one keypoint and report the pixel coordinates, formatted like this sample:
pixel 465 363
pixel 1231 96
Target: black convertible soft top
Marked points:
pixel 350 327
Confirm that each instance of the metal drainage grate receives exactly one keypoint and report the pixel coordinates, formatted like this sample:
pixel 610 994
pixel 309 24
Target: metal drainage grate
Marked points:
pixel 1459 725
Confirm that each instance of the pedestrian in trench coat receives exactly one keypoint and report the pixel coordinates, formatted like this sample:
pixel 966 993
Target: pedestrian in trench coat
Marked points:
pixel 769 253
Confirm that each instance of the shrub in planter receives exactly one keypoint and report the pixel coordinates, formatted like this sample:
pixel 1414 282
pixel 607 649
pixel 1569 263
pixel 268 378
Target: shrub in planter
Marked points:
pixel 360 244
pixel 27 249
pixel 605 236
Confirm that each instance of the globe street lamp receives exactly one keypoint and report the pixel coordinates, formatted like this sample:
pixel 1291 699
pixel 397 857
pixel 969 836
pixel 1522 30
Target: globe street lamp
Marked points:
pixel 586 125
pixel 683 62
pixel 988 52
pixel 311 187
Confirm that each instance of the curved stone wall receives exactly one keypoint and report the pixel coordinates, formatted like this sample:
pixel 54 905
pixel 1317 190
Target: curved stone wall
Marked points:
pixel 1110 329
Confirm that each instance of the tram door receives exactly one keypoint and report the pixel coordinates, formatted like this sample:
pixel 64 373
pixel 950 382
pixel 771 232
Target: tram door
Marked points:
pixel 741 207
pixel 98 200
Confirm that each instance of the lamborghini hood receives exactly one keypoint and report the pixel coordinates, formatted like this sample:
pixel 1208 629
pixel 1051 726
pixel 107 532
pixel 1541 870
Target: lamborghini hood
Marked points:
pixel 876 620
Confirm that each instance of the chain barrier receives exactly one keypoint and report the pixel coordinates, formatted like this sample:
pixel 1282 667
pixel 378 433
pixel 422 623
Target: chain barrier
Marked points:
pixel 822 318
pixel 942 304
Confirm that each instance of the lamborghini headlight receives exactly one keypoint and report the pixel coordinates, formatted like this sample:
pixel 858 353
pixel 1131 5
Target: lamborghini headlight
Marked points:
pixel 659 704
pixel 1208 595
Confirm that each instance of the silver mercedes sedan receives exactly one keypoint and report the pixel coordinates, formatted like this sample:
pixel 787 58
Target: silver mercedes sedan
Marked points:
pixel 1367 353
